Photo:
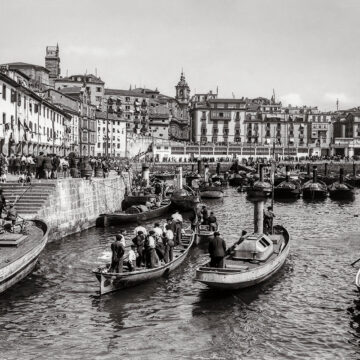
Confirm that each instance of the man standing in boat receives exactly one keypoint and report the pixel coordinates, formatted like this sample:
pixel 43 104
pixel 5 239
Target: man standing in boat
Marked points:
pixel 118 251
pixel 268 220
pixel 217 251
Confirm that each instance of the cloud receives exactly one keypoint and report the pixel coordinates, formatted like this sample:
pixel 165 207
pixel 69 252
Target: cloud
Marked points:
pixel 94 51
pixel 291 99
pixel 333 97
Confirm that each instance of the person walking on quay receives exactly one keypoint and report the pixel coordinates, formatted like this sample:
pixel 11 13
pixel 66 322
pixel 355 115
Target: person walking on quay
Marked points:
pixel 55 166
pixel 2 202
pixel 217 251
pixel 17 165
pixel 47 166
pixel 39 165
pixel 118 251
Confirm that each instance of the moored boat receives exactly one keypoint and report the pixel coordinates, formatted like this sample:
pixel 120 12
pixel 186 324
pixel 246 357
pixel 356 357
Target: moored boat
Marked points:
pixel 314 189
pixel 184 200
pixel 131 200
pixel 339 190
pixel 110 282
pixel 19 252
pixel 125 217
pixel 254 260
pixel 287 188
pixel 211 192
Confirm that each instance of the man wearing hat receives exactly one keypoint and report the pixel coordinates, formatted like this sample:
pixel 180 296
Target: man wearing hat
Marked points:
pixel 217 251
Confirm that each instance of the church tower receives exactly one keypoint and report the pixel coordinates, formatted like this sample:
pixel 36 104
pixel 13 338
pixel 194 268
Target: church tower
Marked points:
pixel 182 90
pixel 52 62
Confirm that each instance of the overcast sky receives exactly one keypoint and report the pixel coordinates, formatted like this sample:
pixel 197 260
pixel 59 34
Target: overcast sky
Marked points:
pixel 308 51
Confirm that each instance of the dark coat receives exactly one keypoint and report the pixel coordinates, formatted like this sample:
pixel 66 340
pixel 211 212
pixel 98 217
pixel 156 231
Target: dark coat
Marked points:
pixel 39 161
pixel 47 163
pixel 217 247
pixel 56 162
pixel 118 251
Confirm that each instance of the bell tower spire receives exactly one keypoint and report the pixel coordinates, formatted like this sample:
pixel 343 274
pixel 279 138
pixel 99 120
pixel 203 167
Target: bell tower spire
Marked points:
pixel 182 90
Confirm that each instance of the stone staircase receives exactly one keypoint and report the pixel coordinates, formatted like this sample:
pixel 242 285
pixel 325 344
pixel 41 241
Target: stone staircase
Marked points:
pixel 28 199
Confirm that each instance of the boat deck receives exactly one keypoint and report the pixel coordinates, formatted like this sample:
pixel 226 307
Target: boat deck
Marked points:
pixel 9 254
pixel 237 265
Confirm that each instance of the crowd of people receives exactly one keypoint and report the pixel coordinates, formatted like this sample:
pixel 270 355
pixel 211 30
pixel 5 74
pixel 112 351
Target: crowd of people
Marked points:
pixel 49 166
pixel 149 249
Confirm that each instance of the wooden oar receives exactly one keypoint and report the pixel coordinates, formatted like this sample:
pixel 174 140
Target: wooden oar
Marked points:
pixel 352 264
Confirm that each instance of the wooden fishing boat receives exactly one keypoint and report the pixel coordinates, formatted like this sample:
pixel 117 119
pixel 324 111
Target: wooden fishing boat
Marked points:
pixel 260 189
pixel 287 189
pixel 123 217
pixel 253 261
pixel 314 189
pixel 19 252
pixel 211 192
pixel 110 282
pixel 184 200
pixel 131 200
pixel 340 190
pixel 204 234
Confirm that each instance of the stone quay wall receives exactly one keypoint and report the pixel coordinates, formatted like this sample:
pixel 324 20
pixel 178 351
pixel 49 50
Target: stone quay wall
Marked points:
pixel 75 204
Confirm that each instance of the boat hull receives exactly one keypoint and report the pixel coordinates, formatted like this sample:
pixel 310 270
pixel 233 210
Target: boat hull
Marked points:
pixel 123 218
pixel 211 193
pixel 110 282
pixel 357 280
pixel 227 279
pixel 185 203
pixel 20 268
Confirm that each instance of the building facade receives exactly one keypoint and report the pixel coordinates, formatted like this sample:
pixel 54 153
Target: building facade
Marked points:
pixel 93 84
pixel 111 134
pixel 30 124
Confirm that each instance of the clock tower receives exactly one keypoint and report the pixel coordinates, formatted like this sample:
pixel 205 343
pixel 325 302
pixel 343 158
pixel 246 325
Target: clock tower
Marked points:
pixel 182 90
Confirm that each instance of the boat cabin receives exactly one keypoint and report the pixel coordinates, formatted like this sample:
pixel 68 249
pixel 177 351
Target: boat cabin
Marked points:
pixel 255 247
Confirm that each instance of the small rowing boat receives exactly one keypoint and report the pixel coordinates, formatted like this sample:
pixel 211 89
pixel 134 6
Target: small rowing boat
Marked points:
pixel 19 252
pixel 252 261
pixel 204 234
pixel 110 282
pixel 124 217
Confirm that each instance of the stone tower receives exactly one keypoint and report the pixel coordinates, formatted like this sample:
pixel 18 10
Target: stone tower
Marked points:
pixel 182 90
pixel 52 62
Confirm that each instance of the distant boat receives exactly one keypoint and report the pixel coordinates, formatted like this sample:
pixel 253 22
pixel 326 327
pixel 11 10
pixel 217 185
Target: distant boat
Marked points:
pixel 339 190
pixel 184 200
pixel 314 189
pixel 253 261
pixel 110 282
pixel 211 192
pixel 125 217
pixel 353 179
pixel 19 253
pixel 287 189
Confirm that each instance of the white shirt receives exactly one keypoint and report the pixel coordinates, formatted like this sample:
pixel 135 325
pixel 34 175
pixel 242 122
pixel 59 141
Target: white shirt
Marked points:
pixel 158 231
pixel 151 242
pixel 169 234
pixel 132 255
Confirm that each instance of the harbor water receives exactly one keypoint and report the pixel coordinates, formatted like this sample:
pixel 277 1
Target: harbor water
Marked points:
pixel 309 310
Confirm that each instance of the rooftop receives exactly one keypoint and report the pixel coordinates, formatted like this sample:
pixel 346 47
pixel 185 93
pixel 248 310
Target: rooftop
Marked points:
pixel 88 78
pixel 22 65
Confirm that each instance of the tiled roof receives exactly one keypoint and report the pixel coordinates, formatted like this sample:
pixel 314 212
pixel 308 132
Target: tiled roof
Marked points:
pixel 90 78
pixel 22 65
pixel 227 101
pixel 120 92
pixel 103 115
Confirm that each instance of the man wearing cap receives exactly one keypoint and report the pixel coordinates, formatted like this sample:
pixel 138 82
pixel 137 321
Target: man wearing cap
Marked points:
pixel 217 251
